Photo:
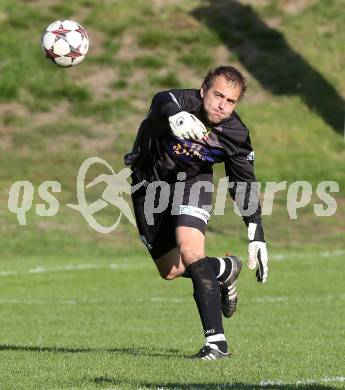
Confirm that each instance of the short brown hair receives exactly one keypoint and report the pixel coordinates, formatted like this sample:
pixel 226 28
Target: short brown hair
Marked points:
pixel 233 75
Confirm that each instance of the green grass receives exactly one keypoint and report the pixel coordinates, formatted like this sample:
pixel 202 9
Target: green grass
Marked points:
pixel 149 61
pixel 153 38
pixel 104 110
pixel 169 80
pixel 198 59
pixel 104 327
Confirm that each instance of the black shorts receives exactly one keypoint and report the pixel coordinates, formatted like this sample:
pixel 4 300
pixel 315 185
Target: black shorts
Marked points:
pixel 161 207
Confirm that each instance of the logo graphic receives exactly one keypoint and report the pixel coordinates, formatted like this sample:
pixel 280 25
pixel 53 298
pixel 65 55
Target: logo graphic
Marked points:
pixel 116 185
pixel 21 197
pixel 251 156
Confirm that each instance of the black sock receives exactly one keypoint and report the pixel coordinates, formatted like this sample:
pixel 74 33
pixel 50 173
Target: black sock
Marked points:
pixel 221 266
pixel 217 267
pixel 207 298
pixel 222 345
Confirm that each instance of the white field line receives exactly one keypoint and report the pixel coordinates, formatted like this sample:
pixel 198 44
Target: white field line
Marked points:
pixel 267 299
pixel 168 300
pixel 37 302
pixel 278 382
pixel 81 267
pixel 270 299
pixel 263 300
pixel 7 273
pixel 180 300
pixel 65 268
pixel 286 256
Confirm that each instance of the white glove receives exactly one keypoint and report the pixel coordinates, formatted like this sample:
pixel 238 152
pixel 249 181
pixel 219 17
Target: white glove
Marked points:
pixel 257 256
pixel 185 125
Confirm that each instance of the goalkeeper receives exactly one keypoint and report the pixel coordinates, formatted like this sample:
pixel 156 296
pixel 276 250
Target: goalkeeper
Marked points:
pixel 185 132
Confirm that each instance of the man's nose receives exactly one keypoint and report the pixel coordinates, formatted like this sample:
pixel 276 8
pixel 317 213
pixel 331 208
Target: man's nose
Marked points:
pixel 221 104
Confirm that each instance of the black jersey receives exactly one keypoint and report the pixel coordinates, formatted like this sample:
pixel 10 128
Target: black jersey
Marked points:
pixel 159 155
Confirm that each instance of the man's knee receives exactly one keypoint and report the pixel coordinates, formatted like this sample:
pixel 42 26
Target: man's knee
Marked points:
pixel 170 274
pixel 191 243
pixel 170 265
pixel 190 253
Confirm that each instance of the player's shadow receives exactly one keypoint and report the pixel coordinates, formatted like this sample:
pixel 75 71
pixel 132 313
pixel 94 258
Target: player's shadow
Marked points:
pixel 127 351
pixel 266 54
pixel 106 381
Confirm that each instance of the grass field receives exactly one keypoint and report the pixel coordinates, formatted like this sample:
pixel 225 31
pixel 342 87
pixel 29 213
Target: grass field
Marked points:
pixel 83 310
pixel 93 322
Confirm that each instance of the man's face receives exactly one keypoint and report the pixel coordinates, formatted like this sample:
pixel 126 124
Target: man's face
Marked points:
pixel 220 100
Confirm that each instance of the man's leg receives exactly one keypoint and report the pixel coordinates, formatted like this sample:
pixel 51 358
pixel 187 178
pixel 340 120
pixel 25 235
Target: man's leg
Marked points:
pixel 227 270
pixel 198 200
pixel 161 240
pixel 170 265
pixel 191 243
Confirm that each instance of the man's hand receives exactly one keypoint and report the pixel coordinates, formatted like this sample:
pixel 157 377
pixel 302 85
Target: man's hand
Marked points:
pixel 257 256
pixel 185 125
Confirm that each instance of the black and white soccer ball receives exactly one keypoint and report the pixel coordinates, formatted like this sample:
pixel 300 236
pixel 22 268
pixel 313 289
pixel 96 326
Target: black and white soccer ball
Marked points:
pixel 65 42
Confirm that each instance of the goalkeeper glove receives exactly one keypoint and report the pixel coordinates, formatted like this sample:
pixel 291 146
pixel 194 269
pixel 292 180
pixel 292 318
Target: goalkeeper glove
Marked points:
pixel 257 255
pixel 185 125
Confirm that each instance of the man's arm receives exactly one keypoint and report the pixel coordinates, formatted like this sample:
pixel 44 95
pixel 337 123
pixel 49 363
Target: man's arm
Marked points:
pixel 167 103
pixel 173 107
pixel 162 106
pixel 245 192
pixel 167 115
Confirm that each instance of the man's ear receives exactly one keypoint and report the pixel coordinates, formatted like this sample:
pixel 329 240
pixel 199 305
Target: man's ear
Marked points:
pixel 202 90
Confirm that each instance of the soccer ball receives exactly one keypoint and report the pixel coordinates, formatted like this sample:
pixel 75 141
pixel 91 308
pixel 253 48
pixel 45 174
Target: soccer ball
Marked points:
pixel 65 42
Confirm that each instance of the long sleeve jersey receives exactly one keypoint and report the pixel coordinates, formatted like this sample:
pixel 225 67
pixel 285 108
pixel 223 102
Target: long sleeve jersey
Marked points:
pixel 159 155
